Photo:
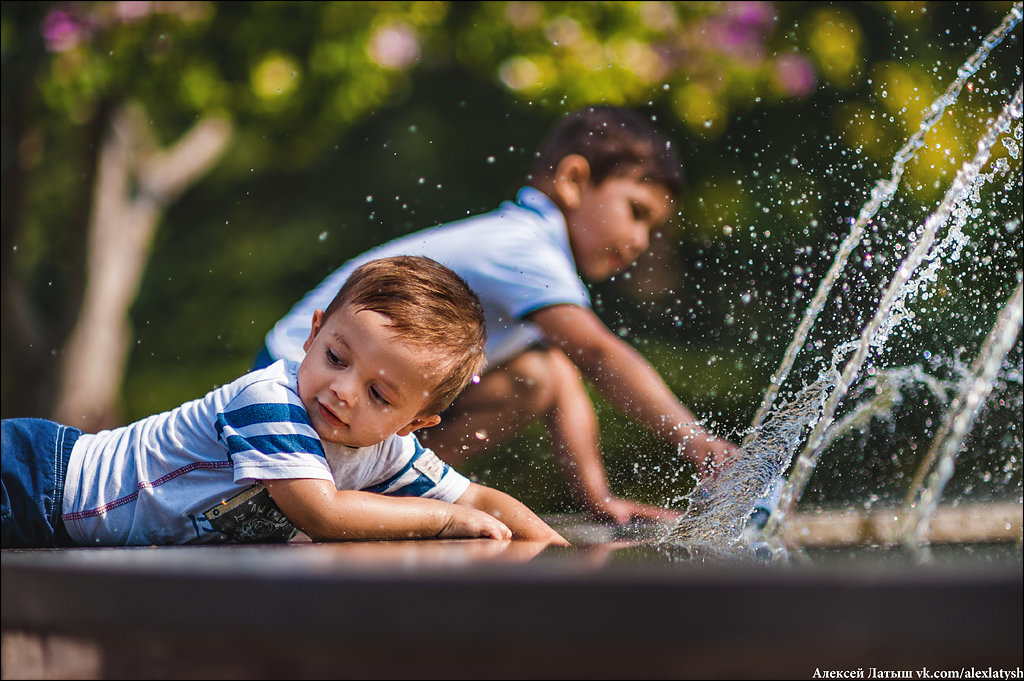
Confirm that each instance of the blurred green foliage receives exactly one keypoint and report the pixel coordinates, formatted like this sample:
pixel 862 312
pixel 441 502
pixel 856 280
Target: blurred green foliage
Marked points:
pixel 356 122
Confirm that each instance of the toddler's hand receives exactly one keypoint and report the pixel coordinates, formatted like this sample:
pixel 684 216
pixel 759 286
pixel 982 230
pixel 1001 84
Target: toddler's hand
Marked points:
pixel 469 522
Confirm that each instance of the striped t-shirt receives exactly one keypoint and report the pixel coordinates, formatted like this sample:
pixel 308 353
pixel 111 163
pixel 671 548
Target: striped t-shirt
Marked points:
pixel 193 474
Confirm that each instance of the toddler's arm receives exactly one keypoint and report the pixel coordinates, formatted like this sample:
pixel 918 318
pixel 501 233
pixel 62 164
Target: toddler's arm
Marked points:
pixel 325 513
pixel 523 522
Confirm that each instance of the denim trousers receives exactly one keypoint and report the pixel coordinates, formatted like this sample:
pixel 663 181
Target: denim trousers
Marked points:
pixel 35 454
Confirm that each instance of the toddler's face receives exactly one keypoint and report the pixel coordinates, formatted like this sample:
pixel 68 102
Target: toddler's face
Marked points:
pixel 611 226
pixel 359 383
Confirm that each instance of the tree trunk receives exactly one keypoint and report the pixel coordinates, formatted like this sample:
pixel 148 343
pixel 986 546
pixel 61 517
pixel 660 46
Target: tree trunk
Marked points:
pixel 135 182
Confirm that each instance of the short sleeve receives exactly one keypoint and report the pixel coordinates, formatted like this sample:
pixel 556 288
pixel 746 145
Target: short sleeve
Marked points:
pixel 527 275
pixel 269 436
pixel 418 472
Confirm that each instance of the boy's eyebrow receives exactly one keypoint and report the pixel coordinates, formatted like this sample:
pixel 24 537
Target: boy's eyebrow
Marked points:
pixel 340 339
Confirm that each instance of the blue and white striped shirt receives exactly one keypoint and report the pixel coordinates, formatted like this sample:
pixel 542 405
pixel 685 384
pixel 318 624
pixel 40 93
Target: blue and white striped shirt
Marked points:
pixel 192 474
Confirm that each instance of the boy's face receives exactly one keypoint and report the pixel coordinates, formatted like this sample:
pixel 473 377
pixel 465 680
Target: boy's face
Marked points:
pixel 610 225
pixel 359 383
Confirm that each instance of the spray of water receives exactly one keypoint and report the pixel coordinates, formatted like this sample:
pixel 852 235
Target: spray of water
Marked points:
pixel 878 329
pixel 718 510
pixel 922 500
pixel 881 195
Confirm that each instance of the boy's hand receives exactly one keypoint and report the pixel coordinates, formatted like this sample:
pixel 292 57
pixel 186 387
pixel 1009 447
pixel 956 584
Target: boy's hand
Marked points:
pixel 709 453
pixel 464 521
pixel 623 511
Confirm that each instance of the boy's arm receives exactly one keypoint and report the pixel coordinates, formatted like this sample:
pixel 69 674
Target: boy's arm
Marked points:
pixel 629 381
pixel 325 513
pixel 523 522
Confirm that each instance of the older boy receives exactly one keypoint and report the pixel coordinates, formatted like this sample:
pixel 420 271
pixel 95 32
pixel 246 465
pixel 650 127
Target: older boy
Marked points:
pixel 603 180
pixel 325 446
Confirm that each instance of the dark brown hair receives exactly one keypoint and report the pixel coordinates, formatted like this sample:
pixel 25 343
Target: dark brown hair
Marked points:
pixel 429 306
pixel 616 142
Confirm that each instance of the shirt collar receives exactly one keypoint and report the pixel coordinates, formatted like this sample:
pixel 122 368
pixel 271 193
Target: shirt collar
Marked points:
pixel 532 199
pixel 537 201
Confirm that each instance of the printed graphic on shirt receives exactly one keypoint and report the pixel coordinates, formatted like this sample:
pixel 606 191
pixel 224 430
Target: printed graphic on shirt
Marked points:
pixel 251 516
pixel 429 465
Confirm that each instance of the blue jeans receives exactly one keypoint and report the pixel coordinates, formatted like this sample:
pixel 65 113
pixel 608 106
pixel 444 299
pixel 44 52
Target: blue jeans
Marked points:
pixel 35 455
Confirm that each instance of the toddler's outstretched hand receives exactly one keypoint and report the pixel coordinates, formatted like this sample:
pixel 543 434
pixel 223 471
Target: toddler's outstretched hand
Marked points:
pixel 469 522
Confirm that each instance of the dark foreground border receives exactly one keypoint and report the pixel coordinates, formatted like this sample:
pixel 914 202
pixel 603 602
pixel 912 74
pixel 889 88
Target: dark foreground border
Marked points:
pixel 464 610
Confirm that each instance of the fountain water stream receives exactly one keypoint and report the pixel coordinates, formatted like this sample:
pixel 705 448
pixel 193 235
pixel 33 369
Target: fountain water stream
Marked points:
pixel 880 197
pixel 719 509
pixel 877 331
pixel 957 423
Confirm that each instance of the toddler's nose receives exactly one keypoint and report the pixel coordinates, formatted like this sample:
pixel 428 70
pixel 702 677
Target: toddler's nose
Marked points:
pixel 344 391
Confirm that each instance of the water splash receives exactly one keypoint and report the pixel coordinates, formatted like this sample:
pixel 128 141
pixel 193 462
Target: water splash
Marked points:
pixel 879 328
pixel 718 510
pixel 881 195
pixel 922 501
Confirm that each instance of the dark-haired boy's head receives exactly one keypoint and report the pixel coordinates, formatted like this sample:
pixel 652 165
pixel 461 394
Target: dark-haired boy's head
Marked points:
pixel 615 141
pixel 615 179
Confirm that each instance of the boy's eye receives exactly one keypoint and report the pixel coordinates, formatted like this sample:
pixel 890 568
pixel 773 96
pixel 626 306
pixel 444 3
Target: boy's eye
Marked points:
pixel 334 359
pixel 639 212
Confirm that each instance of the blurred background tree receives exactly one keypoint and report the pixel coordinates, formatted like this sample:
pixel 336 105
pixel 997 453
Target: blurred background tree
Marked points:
pixel 330 127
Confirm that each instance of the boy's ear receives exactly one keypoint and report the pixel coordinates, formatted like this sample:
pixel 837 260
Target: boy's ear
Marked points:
pixel 572 174
pixel 419 422
pixel 318 320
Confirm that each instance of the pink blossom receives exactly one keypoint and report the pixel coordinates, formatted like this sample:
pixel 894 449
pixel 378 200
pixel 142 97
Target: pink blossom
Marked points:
pixel 394 46
pixel 63 31
pixel 133 10
pixel 794 75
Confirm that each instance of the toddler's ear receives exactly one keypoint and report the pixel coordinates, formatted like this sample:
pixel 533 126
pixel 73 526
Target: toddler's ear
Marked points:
pixel 318 320
pixel 571 177
pixel 419 422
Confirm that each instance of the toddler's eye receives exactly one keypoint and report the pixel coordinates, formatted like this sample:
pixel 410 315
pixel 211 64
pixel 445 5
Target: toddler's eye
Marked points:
pixel 334 359
pixel 378 397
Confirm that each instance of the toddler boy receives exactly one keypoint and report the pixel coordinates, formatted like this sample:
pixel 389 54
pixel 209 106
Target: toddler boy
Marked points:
pixel 324 446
